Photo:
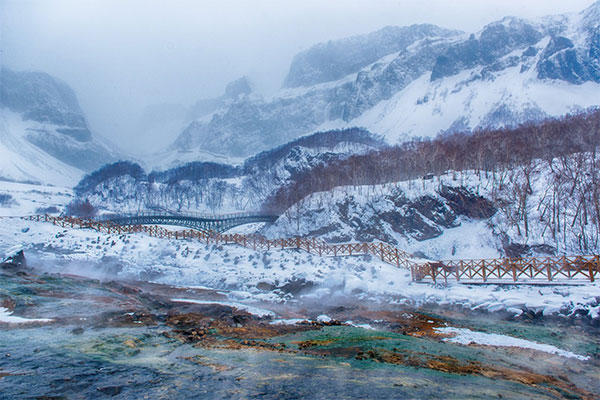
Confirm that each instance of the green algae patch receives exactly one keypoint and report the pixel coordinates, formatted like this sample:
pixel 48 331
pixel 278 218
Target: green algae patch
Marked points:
pixel 121 346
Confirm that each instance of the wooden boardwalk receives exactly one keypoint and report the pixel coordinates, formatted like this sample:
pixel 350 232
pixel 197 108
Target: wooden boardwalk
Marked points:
pixel 548 269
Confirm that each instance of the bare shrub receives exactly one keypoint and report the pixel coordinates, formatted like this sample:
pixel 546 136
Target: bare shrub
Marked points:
pixel 81 208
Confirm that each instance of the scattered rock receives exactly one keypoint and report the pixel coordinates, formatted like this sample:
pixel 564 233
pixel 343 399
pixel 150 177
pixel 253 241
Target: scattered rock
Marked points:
pixel 110 390
pixel 266 287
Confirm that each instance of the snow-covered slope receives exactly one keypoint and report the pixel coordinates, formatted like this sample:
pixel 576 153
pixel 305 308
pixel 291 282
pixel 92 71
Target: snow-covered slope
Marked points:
pixel 538 208
pixel 21 160
pixel 468 101
pixel 28 199
pixel 418 81
pixel 44 136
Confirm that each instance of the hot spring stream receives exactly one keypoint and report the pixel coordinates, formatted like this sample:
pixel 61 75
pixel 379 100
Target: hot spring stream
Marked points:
pixel 72 337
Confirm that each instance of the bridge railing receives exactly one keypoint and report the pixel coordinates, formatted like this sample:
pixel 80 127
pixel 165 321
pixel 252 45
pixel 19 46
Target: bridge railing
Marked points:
pixel 191 215
pixel 515 269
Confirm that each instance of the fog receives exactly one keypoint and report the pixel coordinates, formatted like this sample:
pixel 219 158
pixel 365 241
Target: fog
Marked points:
pixel 121 56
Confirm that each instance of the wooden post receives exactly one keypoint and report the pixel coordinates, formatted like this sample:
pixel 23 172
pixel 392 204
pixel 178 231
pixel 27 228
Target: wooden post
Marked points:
pixel 549 271
pixel 592 269
pixel 483 272
pixel 458 269
pixel 514 271
pixel 397 257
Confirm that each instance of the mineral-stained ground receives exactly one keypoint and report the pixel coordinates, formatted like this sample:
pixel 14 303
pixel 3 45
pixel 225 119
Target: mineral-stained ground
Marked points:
pixel 66 336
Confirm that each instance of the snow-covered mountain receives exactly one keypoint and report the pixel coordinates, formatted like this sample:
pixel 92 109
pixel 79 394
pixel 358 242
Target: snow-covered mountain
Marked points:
pixel 420 80
pixel 44 135
pixel 161 123
pixel 219 187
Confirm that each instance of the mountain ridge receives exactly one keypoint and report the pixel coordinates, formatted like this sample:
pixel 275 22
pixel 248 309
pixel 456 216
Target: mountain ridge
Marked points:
pixel 44 136
pixel 448 81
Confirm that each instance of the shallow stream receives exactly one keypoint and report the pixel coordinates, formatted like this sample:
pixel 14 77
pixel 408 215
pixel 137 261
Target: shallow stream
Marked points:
pixel 130 340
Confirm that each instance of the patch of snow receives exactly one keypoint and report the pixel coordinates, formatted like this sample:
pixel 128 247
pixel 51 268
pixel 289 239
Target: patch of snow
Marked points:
pixel 323 318
pixel 7 317
pixel 467 336
pixel 291 321
pixel 362 326
pixel 260 312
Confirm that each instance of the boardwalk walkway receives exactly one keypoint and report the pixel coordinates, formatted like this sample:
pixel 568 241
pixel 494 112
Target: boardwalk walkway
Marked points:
pixel 505 270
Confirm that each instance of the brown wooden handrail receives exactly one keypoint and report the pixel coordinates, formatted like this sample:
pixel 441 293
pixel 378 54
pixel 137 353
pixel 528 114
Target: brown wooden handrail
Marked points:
pixel 548 268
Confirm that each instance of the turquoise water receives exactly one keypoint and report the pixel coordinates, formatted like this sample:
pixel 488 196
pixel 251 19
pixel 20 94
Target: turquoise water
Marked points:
pixel 119 340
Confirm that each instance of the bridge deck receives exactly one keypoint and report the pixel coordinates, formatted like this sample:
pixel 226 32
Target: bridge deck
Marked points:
pixel 198 221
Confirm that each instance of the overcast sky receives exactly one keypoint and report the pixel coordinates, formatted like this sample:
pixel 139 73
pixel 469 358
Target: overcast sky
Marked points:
pixel 122 55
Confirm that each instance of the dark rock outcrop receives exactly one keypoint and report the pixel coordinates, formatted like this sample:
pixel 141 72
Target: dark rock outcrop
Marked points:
pixel 15 261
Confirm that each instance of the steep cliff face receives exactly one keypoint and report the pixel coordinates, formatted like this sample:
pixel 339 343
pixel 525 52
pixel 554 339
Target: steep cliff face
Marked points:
pixel 418 81
pixel 334 60
pixel 39 97
pixel 44 133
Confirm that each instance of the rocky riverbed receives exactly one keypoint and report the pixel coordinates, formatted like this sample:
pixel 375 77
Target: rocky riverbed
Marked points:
pixel 67 336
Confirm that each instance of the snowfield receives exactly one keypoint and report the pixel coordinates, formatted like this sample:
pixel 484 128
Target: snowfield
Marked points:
pixel 249 276
pixel 29 199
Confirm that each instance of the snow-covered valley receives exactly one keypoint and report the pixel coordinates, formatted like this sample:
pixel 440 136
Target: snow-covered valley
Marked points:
pixel 413 213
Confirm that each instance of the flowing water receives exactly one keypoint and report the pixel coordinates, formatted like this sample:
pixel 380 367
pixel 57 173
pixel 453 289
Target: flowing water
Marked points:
pixel 129 340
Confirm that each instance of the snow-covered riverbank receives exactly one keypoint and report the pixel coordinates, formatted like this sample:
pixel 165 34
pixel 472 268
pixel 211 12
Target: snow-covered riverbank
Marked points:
pixel 276 275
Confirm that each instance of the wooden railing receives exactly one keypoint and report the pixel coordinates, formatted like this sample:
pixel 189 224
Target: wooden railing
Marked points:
pixel 511 269
pixel 506 269
pixel 384 251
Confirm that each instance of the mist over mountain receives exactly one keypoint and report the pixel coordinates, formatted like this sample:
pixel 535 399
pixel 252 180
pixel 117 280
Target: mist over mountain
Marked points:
pixel 420 80
pixel 399 82
pixel 44 135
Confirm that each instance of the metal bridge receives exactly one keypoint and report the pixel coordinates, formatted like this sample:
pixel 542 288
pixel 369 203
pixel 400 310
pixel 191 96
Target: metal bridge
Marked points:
pixel 198 221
